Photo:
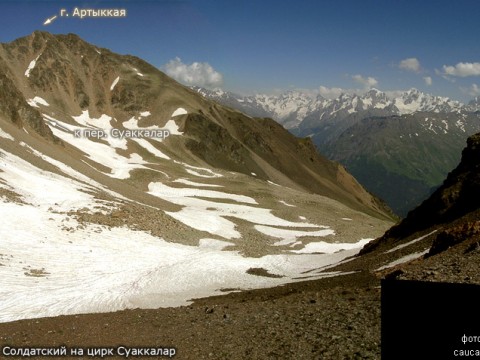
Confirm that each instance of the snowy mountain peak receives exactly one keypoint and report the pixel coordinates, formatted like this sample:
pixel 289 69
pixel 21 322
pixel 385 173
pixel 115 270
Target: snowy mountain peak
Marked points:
pixel 345 97
pixel 375 93
pixel 414 100
pixel 474 104
pixel 294 106
pixel 413 91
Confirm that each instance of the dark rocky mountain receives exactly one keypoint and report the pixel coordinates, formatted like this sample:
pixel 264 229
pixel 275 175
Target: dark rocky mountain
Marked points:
pixel 453 207
pixel 438 240
pixel 433 253
pixel 14 106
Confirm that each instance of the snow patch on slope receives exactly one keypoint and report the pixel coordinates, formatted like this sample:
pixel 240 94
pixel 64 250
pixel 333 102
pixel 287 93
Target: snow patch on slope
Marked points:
pixel 172 127
pixel 5 135
pixel 289 236
pixel 115 82
pixel 37 100
pixel 179 111
pixel 330 248
pixel 199 171
pixel 285 203
pixel 84 119
pixel 101 153
pixel 31 66
pixel 193 183
pixel 213 219
pixel 401 246
pixel 137 72
pixel 404 259
pixel 151 149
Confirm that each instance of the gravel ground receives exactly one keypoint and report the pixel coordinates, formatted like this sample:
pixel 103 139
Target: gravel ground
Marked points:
pixel 336 318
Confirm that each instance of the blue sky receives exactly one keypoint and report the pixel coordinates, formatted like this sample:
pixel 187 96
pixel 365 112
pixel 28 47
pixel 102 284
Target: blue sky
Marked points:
pixel 270 46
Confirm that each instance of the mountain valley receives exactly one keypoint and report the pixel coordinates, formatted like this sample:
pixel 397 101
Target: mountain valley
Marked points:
pixel 375 136
pixel 219 180
pixel 214 232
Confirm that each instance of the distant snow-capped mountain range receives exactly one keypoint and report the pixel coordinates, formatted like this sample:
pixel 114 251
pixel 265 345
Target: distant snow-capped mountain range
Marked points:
pixel 293 107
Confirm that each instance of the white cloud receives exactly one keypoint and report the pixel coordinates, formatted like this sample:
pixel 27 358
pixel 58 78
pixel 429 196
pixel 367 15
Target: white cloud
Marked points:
pixel 198 74
pixel 473 90
pixel 367 82
pixel 331 93
pixel 392 94
pixel 444 76
pixel 428 80
pixel 410 64
pixel 462 69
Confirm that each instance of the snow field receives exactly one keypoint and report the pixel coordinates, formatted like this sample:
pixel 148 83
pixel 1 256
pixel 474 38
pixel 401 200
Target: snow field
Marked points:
pixel 43 188
pixel 73 173
pixel 103 154
pixel 48 272
pixel 213 213
pixel 53 266
pixel 57 266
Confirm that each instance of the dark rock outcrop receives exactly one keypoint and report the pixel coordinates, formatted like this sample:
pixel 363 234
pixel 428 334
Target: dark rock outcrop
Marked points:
pixel 458 196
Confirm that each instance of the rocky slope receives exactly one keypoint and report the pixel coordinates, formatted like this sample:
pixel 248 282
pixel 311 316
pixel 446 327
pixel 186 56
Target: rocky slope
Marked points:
pixel 457 202
pixel 332 318
pixel 72 76
pixel 194 199
pixel 438 240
